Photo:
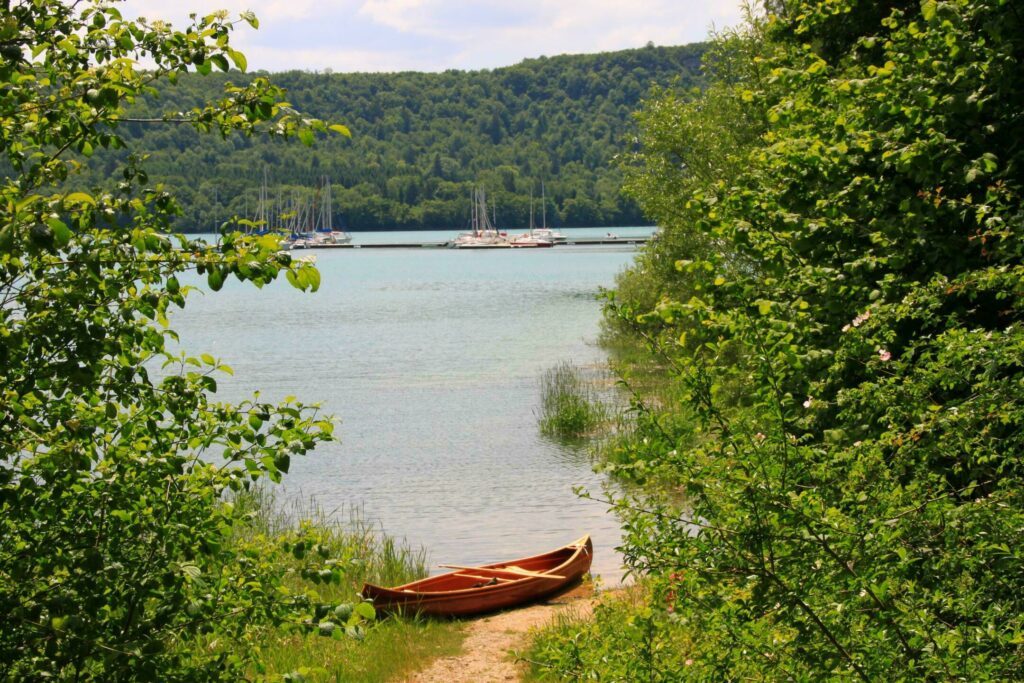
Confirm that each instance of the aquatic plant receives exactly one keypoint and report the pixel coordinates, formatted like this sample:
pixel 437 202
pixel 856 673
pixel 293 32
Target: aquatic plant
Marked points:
pixel 571 407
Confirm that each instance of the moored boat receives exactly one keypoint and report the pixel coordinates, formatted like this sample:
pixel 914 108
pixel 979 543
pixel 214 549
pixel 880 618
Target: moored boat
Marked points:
pixel 482 233
pixel 527 240
pixel 486 588
pixel 544 232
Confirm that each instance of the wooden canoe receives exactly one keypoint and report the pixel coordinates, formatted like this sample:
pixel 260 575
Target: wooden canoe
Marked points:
pixel 489 587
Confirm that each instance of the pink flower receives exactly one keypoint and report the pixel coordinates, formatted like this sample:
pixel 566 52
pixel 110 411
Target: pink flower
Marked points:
pixel 689 662
pixel 759 436
pixel 861 318
pixel 884 354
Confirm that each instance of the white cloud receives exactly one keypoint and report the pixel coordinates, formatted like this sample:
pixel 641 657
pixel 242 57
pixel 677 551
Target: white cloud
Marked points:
pixel 432 35
pixel 266 10
pixel 397 14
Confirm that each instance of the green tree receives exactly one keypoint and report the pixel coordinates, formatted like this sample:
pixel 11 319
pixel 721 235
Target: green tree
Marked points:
pixel 119 556
pixel 454 126
pixel 847 332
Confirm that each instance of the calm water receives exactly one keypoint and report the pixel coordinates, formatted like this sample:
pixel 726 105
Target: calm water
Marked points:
pixel 431 359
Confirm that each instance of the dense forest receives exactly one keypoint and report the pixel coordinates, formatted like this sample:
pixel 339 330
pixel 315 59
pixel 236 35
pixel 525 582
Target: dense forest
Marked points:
pixel 421 141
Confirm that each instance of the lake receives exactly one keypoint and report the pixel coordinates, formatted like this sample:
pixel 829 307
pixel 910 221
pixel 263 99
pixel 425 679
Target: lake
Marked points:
pixel 431 360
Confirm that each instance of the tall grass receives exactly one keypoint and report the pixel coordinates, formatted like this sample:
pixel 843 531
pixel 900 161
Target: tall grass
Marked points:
pixel 394 646
pixel 377 557
pixel 571 406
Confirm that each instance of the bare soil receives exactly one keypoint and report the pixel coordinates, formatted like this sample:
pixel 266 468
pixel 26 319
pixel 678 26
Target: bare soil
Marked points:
pixel 486 653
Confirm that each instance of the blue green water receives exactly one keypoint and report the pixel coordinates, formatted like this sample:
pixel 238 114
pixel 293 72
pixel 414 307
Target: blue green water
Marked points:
pixel 431 358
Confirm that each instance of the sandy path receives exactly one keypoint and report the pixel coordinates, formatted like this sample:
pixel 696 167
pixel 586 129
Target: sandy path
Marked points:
pixel 485 653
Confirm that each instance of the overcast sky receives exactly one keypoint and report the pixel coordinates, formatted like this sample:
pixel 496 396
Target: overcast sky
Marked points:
pixel 434 35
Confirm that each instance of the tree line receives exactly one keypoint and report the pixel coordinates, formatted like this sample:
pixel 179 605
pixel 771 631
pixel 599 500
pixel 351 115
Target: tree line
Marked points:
pixel 420 142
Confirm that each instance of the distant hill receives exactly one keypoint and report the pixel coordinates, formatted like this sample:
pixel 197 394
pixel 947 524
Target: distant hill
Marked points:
pixel 420 141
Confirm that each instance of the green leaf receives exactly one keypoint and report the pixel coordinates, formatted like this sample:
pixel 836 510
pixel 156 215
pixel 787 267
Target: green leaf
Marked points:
pixel 6 238
pixel 306 136
pixel 338 128
pixel 220 61
pixel 61 234
pixel 928 8
pixel 312 278
pixel 238 58
pixel 80 198
pixel 366 611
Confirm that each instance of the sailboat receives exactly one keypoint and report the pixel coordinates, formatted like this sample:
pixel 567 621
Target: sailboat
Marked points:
pixel 482 233
pixel 311 222
pixel 544 232
pixel 324 233
pixel 530 240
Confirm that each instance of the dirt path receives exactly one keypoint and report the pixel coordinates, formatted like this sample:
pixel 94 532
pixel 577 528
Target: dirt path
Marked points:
pixel 485 653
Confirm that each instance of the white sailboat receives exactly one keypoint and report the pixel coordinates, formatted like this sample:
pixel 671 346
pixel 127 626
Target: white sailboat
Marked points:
pixel 530 240
pixel 483 234
pixel 544 232
pixel 311 223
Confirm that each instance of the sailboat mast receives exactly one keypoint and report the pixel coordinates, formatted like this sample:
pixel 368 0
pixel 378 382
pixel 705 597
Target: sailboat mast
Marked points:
pixel 543 207
pixel 531 210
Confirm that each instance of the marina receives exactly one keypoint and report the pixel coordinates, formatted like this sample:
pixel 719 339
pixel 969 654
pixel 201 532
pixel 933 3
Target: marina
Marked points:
pixel 578 241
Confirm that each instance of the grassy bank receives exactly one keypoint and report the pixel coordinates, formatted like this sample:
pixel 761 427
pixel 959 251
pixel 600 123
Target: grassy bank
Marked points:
pixel 376 651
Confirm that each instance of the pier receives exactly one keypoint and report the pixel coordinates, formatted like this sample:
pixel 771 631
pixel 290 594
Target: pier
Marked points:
pixel 583 241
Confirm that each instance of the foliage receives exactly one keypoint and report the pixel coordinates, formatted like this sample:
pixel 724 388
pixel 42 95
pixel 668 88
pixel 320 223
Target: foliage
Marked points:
pixel 422 140
pixel 850 342
pixel 342 646
pixel 570 406
pixel 623 640
pixel 119 558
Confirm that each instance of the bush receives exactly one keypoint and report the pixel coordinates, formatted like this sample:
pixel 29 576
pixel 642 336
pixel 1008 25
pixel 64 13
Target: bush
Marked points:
pixel 119 559
pixel 852 350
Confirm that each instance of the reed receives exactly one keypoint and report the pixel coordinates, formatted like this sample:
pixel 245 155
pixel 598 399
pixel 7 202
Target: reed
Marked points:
pixel 571 406
pixel 394 646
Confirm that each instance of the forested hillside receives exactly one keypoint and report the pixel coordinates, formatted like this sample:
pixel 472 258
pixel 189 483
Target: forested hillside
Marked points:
pixel 420 141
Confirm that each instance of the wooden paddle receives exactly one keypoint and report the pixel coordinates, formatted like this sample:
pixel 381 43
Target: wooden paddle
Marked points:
pixel 503 570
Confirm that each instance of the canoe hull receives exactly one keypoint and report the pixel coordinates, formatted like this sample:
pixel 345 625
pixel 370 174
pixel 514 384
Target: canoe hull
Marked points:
pixel 468 592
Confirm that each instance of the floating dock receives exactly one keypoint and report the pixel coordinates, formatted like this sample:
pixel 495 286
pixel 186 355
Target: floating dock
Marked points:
pixel 582 241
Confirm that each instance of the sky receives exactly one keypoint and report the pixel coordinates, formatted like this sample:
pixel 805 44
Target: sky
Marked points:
pixel 434 35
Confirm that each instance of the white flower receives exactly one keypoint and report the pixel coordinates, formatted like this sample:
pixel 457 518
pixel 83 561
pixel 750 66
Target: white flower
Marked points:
pixel 808 402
